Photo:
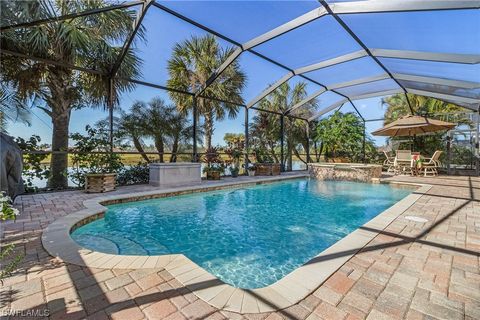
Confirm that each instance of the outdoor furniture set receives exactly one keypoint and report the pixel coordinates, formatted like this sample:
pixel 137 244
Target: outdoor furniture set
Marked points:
pixel 408 162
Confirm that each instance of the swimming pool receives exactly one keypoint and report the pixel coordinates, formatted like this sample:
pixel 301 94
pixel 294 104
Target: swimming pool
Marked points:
pixel 248 237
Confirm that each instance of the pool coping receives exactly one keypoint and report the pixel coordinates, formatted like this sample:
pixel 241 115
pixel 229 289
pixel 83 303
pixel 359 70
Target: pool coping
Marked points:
pixel 284 293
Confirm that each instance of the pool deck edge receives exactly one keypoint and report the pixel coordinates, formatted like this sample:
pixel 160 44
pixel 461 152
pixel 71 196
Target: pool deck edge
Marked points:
pixel 287 291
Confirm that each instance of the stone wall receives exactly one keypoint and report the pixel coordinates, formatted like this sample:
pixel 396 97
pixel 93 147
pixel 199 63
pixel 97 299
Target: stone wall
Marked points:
pixel 345 171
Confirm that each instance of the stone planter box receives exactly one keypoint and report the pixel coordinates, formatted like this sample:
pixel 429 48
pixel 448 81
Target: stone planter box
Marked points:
pixel 345 171
pixel 169 175
pixel 100 182
pixel 267 169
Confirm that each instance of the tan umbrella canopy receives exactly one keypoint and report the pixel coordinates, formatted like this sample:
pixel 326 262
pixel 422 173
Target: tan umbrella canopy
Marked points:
pixel 413 125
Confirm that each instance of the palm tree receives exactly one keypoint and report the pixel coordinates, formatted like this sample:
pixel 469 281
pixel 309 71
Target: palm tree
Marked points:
pixel 155 120
pixel 87 41
pixel 280 100
pixel 264 135
pixel 129 127
pixel 180 134
pixel 12 107
pixel 397 106
pixel 191 64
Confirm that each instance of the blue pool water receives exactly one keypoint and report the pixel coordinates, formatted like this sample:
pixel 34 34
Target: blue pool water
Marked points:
pixel 248 237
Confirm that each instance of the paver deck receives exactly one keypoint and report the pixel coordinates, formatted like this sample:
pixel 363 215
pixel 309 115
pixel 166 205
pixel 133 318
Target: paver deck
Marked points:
pixel 410 270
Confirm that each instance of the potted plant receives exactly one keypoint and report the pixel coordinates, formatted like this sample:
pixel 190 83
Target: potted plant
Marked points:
pixel 214 164
pixel 94 166
pixel 419 163
pixel 234 171
pixel 9 258
pixel 265 165
pixel 251 169
pixel 214 171
pixel 234 155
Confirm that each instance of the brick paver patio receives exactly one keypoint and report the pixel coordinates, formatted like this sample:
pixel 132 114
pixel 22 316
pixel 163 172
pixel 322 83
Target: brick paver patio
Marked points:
pixel 411 270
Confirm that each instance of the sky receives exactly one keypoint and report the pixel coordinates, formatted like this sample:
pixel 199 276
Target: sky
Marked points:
pixel 442 31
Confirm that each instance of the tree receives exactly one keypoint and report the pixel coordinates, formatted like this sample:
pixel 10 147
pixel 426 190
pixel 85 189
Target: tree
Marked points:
pixel 87 41
pixel 12 107
pixel 155 120
pixel 234 140
pixel 164 124
pixel 341 134
pixel 280 100
pixel 128 126
pixel 191 64
pixel 180 133
pixel 264 135
pixel 317 152
pixel 397 106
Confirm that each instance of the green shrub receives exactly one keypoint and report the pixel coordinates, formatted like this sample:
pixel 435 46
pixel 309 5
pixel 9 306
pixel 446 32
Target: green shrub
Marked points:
pixel 32 163
pixel 92 155
pixel 8 212
pixel 133 175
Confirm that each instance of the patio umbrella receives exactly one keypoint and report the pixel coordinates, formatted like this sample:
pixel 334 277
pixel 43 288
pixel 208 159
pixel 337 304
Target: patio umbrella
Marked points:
pixel 413 125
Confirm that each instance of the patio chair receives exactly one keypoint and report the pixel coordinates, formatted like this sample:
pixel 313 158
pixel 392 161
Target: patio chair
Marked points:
pixel 403 162
pixel 430 165
pixel 389 162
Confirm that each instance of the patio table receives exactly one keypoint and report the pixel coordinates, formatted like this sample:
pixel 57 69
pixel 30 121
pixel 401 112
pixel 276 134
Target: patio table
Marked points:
pixel 415 157
pixel 411 164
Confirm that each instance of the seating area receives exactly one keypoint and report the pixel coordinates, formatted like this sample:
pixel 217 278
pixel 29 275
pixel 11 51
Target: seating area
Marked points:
pixel 412 163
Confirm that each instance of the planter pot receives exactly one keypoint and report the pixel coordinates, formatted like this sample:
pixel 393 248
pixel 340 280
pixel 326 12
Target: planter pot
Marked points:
pixel 100 182
pixel 251 173
pixel 268 169
pixel 213 175
pixel 234 174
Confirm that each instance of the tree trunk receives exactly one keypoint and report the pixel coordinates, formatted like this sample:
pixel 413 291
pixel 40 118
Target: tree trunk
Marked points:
pixel 304 145
pixel 317 150
pixel 208 129
pixel 59 161
pixel 272 151
pixel 289 156
pixel 298 155
pixel 160 148
pixel 320 150
pixel 59 101
pixel 173 157
pixel 138 146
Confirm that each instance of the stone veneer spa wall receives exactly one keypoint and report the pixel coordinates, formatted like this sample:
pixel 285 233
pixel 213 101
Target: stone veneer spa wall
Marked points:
pixel 345 171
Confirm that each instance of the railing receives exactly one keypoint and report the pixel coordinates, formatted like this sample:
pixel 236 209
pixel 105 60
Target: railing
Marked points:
pixel 131 159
